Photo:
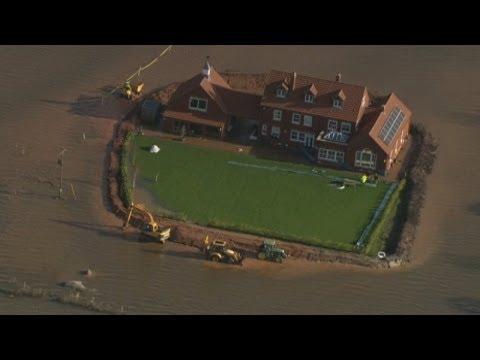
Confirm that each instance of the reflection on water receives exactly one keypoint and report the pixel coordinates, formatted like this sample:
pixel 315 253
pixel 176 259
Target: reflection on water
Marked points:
pixel 49 99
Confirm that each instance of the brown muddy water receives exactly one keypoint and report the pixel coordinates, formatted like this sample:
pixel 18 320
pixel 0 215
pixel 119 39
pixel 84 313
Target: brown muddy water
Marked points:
pixel 48 100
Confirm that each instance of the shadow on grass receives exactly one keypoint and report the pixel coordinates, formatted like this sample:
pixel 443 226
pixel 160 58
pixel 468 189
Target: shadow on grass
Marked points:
pixel 278 153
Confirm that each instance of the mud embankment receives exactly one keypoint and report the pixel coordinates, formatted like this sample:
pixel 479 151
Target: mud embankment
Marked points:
pixel 417 166
pixel 421 158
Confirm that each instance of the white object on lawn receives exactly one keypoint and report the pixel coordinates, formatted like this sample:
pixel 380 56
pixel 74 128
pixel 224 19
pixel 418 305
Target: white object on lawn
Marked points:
pixel 154 149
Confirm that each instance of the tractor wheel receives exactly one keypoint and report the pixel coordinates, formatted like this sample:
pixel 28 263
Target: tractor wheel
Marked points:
pixel 261 255
pixel 231 260
pixel 278 260
pixel 215 258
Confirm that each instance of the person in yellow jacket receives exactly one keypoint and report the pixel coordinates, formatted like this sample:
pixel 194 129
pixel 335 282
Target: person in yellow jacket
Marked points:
pixel 364 179
pixel 128 89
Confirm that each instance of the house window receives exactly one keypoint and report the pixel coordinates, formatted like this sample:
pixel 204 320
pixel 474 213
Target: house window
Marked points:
pixel 281 93
pixel 264 129
pixel 296 118
pixel 275 132
pixel 346 128
pixel 366 159
pixel 294 135
pixel 337 103
pixel 331 155
pixel 301 137
pixel 309 98
pixel 197 104
pixel 298 136
pixel 332 125
pixel 307 120
pixel 277 115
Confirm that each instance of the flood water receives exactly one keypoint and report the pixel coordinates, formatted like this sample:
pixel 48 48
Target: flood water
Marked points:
pixel 46 105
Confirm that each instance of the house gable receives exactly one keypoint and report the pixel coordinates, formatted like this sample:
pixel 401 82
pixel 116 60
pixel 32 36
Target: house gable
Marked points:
pixel 392 119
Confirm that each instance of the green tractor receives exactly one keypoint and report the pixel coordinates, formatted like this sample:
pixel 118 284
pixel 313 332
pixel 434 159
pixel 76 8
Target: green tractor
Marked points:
pixel 269 251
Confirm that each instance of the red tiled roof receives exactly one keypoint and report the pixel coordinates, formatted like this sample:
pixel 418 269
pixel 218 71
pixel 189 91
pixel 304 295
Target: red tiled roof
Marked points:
pixel 194 117
pixel 374 119
pixel 229 100
pixel 390 103
pixel 323 103
pixel 200 80
pixel 239 103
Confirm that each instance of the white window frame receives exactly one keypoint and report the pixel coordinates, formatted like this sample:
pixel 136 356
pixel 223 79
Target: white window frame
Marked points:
pixel 298 136
pixel 330 124
pixel 368 164
pixel 198 103
pixel 309 98
pixel 331 155
pixel 346 124
pixel 295 115
pixel 337 103
pixel 273 133
pixel 277 115
pixel 293 135
pixel 281 93
pixel 310 117
pixel 264 129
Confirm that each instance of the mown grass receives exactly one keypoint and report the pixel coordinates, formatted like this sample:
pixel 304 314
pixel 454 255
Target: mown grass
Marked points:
pixel 125 189
pixel 383 228
pixel 199 185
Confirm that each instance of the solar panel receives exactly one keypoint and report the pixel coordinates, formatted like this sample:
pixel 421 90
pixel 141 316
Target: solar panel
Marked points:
pixel 392 125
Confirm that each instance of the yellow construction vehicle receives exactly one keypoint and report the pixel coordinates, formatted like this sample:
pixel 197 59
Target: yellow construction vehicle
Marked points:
pixel 150 229
pixel 132 92
pixel 218 251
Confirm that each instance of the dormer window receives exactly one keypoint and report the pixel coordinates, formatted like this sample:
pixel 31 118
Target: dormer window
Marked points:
pixel 309 98
pixel 337 103
pixel 310 94
pixel 338 99
pixel 281 93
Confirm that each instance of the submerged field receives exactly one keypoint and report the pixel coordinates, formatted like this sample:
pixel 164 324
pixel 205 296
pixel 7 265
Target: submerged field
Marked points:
pixel 243 193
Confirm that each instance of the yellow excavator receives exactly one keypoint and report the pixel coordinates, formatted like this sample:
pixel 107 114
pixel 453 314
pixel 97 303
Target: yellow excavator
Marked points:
pixel 134 91
pixel 150 229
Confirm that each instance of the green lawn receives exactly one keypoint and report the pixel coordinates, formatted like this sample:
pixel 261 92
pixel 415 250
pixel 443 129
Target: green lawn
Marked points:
pixel 201 185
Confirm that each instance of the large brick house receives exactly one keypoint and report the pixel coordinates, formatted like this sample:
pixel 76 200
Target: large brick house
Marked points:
pixel 341 124
pixel 207 105
pixel 339 121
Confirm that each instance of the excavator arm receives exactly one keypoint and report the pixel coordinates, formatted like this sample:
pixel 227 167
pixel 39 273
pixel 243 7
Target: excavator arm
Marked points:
pixel 142 210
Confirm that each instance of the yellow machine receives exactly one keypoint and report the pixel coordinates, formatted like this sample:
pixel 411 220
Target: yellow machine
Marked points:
pixel 150 229
pixel 218 251
pixel 133 91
